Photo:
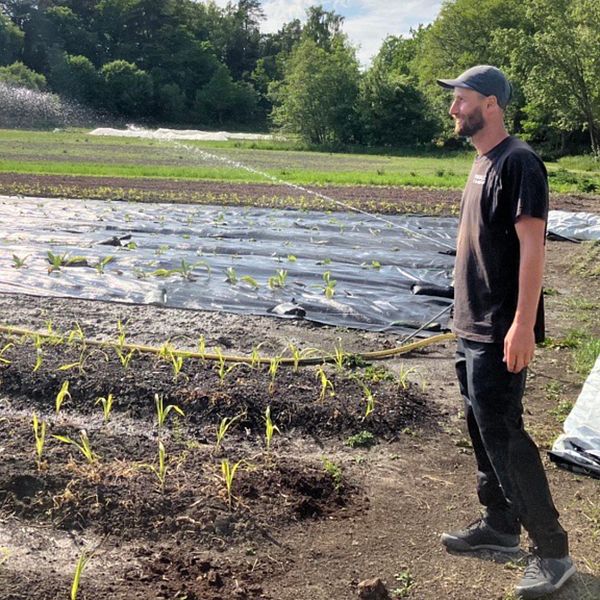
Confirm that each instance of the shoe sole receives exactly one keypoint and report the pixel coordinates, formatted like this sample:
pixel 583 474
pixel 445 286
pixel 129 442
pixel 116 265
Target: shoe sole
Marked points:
pixel 459 545
pixel 528 593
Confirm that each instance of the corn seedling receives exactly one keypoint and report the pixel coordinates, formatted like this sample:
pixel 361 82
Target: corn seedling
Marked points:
pixel 325 384
pixel 222 369
pixel 404 376
pixel 255 357
pixel 176 362
pixel 228 471
pixel 162 411
pixel 124 357
pixel 39 358
pixel 79 567
pixel 329 288
pixel 270 428
pixel 76 334
pixel 39 433
pixel 161 470
pixel 62 395
pixel 202 347
pixel 54 338
pixel 273 368
pixel 298 355
pixel 368 397
pixel 76 365
pixel 6 361
pixel 224 425
pixel 84 447
pixel 121 333
pixel 107 404
pixel 339 356
pixel 18 262
pixel 278 280
pixel 56 261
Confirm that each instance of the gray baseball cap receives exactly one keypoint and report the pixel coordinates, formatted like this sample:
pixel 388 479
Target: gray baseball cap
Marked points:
pixel 485 79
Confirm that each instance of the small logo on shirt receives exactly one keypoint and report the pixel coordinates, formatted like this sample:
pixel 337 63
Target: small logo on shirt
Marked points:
pixel 479 179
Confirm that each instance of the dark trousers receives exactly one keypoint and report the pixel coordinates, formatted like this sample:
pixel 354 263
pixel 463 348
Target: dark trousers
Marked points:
pixel 511 482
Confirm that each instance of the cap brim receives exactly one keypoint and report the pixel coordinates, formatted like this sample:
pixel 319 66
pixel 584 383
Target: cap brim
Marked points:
pixel 450 84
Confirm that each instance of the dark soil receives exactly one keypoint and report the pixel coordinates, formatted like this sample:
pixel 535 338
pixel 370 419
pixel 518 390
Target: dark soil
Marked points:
pixel 384 199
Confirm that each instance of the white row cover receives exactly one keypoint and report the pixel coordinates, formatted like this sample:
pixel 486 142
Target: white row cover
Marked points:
pixel 179 134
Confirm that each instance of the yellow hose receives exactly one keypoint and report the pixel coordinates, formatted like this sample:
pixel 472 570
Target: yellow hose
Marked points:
pixel 313 360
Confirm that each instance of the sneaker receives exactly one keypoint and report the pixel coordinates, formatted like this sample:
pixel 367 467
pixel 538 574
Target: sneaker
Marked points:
pixel 544 576
pixel 480 536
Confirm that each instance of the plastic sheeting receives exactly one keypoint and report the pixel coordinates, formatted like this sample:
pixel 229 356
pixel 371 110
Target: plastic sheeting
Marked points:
pixel 577 226
pixel 579 447
pixel 179 134
pixel 372 265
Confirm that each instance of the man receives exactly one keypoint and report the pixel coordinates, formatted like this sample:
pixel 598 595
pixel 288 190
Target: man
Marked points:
pixel 498 319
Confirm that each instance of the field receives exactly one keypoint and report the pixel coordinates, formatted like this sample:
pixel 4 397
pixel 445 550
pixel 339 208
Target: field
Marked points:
pixel 369 461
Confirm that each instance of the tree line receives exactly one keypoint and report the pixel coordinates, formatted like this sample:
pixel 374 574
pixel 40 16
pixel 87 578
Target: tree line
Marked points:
pixel 197 64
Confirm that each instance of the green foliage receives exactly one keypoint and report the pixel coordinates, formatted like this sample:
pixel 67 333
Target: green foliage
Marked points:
pixel 11 40
pixel 76 77
pixel 363 439
pixel 317 98
pixel 126 87
pixel 335 472
pixel 18 75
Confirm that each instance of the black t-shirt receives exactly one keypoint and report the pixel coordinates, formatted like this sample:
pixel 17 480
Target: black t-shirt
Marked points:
pixel 505 183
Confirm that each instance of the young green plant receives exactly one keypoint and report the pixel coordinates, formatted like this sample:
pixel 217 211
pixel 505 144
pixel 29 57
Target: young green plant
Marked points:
pixel 224 425
pixel 161 470
pixel 270 428
pixel 62 395
pixel 228 471
pixel 84 447
pixel 162 411
pixel 326 384
pixel 39 433
pixel 107 405
pixel 81 564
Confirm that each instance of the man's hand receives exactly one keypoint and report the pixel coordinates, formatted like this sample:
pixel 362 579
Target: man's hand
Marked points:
pixel 519 347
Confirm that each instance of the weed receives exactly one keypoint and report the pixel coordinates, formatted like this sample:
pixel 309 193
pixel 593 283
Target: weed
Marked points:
pixel 363 439
pixel 107 404
pixel 405 583
pixel 162 411
pixel 270 428
pixel 84 447
pixel 561 411
pixel 377 374
pixel 39 432
pixel 224 425
pixel 62 395
pixel 335 472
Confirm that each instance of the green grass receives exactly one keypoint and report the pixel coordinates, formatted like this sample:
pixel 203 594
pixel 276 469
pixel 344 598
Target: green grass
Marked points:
pixel 75 152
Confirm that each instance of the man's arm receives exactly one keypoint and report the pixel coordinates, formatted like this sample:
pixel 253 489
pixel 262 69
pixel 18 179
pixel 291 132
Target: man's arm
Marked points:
pixel 519 343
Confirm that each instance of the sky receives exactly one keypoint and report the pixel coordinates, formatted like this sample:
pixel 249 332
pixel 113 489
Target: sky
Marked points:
pixel 366 22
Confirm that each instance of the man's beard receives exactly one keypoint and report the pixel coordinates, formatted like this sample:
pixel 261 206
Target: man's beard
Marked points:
pixel 470 124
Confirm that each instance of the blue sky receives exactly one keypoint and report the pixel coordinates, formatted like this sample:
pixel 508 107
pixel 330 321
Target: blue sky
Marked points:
pixel 367 22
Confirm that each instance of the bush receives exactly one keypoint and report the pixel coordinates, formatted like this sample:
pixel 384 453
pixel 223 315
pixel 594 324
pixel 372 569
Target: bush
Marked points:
pixel 18 75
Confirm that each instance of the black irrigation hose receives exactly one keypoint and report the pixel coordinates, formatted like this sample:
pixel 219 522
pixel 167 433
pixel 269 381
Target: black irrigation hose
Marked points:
pixel 312 360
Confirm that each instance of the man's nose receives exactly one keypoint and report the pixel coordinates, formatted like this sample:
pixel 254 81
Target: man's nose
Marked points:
pixel 453 108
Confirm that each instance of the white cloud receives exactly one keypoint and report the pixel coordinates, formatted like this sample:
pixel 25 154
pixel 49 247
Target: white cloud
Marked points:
pixel 367 22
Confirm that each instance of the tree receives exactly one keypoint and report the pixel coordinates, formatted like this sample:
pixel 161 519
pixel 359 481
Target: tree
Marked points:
pixel 562 60
pixel 127 89
pixel 19 75
pixel 76 77
pixel 322 26
pixel 11 41
pixel 317 98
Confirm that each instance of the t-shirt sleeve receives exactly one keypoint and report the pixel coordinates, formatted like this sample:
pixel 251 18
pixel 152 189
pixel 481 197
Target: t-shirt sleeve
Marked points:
pixel 526 185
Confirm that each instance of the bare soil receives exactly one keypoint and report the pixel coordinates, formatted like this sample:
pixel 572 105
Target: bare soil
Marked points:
pixel 310 518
